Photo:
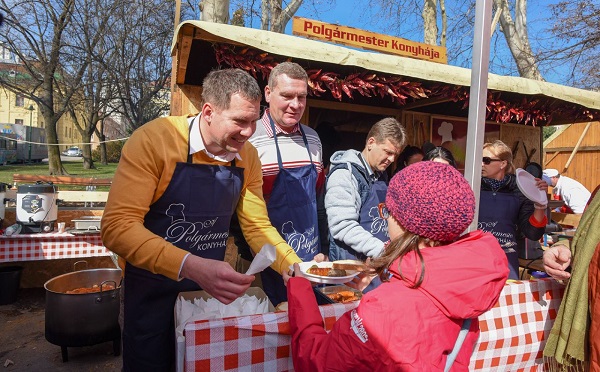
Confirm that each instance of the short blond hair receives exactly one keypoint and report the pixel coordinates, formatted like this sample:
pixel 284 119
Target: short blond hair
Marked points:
pixel 502 152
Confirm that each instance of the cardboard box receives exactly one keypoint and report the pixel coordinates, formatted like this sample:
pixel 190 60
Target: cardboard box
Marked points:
pixel 190 296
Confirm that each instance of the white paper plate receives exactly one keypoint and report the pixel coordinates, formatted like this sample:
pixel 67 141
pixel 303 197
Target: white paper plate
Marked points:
pixel 304 266
pixel 527 185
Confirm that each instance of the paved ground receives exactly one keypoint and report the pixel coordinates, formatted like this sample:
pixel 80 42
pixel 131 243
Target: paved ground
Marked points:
pixel 23 346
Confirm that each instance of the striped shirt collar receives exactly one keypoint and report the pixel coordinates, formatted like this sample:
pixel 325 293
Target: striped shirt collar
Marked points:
pixel 374 176
pixel 267 124
pixel 197 143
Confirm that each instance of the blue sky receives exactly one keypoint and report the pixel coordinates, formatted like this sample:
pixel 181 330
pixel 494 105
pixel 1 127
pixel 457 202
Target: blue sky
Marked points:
pixel 352 13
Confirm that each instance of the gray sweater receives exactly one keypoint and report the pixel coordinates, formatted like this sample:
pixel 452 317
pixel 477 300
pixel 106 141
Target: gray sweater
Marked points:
pixel 342 202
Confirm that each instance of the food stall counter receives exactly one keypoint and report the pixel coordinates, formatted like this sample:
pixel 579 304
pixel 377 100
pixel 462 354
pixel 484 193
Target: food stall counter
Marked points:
pixel 513 334
pixel 47 246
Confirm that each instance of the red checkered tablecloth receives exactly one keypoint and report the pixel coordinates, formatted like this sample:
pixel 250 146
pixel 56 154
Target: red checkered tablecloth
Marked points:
pixel 48 246
pixel 514 332
pixel 512 338
pixel 251 343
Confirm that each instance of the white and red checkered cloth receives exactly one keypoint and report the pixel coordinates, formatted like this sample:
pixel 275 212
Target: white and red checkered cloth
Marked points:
pixel 512 338
pixel 515 330
pixel 48 246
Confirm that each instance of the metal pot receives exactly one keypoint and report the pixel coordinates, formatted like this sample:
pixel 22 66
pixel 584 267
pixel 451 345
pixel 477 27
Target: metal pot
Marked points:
pixel 83 319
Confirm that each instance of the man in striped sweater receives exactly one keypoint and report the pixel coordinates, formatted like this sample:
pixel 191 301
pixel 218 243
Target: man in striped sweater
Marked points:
pixel 292 168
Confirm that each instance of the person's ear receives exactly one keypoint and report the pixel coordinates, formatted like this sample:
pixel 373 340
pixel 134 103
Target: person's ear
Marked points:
pixel 370 143
pixel 267 94
pixel 207 112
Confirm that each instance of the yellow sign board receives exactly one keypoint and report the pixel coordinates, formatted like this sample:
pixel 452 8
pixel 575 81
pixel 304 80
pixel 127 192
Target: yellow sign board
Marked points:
pixel 367 40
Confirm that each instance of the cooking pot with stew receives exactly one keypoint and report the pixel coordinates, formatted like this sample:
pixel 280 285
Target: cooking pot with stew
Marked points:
pixel 82 309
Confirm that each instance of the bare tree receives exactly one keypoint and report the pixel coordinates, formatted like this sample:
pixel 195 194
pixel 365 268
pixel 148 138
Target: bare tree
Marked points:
pixel 214 11
pixel 141 62
pixel 430 28
pixel 40 33
pixel 274 16
pixel 91 104
pixel 576 41
pixel 517 38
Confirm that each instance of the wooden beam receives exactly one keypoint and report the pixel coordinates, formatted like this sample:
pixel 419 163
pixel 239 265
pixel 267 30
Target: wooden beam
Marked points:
pixel 342 106
pixel 566 219
pixel 570 148
pixel 184 47
pixel 83 196
pixel 585 130
pixel 425 102
pixel 62 180
pixel 71 196
pixel 552 158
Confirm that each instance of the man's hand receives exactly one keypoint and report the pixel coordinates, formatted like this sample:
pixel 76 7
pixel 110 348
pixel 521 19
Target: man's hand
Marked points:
pixel 556 260
pixel 217 278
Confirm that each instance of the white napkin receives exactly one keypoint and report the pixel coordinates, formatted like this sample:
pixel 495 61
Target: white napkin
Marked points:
pixel 212 308
pixel 262 260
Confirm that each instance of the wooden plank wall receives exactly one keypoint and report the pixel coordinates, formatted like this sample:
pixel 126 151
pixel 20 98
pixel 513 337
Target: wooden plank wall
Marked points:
pixel 585 165
pixel 524 134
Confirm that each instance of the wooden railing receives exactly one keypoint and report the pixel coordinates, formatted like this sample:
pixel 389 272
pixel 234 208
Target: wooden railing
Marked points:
pixel 70 196
pixel 62 180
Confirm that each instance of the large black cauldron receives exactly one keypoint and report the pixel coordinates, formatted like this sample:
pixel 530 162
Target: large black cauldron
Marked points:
pixel 83 319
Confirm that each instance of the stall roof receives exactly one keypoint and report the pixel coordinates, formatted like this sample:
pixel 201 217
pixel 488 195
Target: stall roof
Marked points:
pixel 300 48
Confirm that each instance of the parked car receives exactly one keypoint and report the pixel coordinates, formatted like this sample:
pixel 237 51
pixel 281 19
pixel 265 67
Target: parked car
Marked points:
pixel 73 151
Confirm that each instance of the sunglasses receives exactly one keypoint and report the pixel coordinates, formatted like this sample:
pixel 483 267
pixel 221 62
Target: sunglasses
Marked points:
pixel 383 211
pixel 487 160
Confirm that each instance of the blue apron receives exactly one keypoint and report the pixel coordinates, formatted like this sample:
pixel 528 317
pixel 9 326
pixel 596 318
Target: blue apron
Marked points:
pixel 368 219
pixel 498 217
pixel 193 214
pixel 292 208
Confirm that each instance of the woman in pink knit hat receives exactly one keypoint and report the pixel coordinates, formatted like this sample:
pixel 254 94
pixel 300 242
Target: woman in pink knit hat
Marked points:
pixel 433 279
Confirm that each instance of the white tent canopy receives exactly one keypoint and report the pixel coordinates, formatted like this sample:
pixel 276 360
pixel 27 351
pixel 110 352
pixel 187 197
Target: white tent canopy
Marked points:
pixel 300 48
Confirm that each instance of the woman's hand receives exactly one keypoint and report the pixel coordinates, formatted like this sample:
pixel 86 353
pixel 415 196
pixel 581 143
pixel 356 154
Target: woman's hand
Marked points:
pixel 361 281
pixel 541 184
pixel 287 275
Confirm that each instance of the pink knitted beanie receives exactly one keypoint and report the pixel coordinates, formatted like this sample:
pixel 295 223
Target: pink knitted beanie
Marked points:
pixel 431 199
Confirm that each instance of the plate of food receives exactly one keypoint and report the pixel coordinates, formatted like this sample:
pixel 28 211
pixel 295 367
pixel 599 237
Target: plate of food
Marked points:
pixel 324 273
pixel 528 186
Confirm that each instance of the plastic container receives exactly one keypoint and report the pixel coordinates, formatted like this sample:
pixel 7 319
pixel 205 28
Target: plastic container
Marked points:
pixel 322 292
pixel 10 281
pixel 539 274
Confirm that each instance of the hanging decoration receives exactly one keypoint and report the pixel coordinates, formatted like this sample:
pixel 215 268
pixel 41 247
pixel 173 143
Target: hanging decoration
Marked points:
pixel 534 111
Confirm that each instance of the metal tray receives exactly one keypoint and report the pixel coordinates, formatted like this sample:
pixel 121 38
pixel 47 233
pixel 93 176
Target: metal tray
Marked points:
pixel 87 222
pixel 90 231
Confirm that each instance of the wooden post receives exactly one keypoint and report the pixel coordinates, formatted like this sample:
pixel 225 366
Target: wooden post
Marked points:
pixel 585 130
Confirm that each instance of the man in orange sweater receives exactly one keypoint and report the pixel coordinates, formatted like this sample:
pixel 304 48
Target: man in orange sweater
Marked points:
pixel 178 183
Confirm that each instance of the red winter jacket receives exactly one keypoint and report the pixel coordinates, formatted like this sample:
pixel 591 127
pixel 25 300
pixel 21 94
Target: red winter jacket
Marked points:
pixel 397 328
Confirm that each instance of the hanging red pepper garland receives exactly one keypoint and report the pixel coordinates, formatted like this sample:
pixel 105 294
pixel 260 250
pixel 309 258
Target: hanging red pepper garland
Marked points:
pixel 368 84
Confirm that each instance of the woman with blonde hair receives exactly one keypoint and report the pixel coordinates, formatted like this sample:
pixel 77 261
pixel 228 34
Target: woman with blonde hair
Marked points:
pixel 503 209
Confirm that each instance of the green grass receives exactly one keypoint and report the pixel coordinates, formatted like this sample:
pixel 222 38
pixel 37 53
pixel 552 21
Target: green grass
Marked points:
pixel 73 168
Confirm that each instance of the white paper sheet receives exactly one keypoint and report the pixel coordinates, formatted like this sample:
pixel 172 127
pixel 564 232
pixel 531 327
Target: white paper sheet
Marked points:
pixel 263 259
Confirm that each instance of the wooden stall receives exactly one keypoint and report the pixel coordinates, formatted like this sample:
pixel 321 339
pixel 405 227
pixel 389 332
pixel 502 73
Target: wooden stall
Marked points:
pixel 351 89
pixel 575 151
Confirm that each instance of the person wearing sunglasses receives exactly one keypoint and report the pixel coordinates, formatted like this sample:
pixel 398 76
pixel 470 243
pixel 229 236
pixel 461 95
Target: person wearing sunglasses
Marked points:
pixel 410 322
pixel 503 209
